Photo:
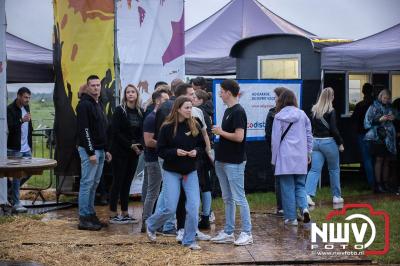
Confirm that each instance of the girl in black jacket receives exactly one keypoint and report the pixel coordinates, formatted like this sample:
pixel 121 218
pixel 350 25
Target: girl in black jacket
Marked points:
pixel 127 135
pixel 179 144
pixel 326 147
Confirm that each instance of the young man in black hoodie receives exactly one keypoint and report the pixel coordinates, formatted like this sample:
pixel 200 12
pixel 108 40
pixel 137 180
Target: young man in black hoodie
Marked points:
pixel 92 127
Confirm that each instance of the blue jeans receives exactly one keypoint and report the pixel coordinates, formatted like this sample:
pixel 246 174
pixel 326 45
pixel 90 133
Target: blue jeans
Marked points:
pixel 206 203
pixel 364 146
pixel 170 223
pixel 18 182
pixel 171 189
pixel 293 194
pixel 324 149
pixel 90 179
pixel 231 180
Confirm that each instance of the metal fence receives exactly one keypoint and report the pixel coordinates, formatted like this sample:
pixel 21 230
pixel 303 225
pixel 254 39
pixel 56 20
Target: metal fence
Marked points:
pixel 43 147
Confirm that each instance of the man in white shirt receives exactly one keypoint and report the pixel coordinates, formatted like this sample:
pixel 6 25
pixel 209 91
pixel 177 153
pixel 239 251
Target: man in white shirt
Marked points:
pixel 19 140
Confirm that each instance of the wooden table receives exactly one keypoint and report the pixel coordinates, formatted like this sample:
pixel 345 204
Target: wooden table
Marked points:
pixel 21 167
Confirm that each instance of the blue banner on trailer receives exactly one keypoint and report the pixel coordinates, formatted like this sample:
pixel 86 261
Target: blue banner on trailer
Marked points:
pixel 256 97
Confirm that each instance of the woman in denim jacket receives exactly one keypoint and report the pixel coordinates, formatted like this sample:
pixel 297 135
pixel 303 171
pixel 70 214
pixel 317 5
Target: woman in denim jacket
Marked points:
pixel 382 135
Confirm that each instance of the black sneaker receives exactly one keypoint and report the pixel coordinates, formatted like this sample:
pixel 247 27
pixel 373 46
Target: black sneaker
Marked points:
pixel 159 231
pixel 85 223
pixel 171 232
pixel 6 209
pixel 129 220
pixel 306 216
pixel 117 219
pixel 143 228
pixel 204 222
pixel 279 212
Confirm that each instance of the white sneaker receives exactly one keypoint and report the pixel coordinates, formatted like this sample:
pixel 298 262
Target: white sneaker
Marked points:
pixel 244 239
pixel 19 208
pixel 223 238
pixel 151 235
pixel 194 246
pixel 179 235
pixel 337 200
pixel 310 201
pixel 201 236
pixel 291 222
pixel 211 218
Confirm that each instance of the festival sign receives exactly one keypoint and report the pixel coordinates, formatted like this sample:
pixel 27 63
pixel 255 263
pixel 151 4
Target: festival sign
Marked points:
pixel 256 97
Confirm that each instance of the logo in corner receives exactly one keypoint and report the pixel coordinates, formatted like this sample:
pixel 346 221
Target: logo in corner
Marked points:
pixel 337 235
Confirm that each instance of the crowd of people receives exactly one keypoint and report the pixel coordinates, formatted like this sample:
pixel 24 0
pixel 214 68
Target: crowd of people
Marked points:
pixel 174 130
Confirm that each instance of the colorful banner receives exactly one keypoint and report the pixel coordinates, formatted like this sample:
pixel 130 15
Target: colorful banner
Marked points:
pixel 150 41
pixel 256 97
pixel 83 45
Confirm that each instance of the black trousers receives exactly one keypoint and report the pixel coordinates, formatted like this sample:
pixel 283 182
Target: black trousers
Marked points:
pixel 181 211
pixel 124 169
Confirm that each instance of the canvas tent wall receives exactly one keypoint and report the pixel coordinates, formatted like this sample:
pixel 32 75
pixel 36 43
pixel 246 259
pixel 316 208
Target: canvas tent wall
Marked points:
pixel 379 52
pixel 374 59
pixel 27 62
pixel 207 45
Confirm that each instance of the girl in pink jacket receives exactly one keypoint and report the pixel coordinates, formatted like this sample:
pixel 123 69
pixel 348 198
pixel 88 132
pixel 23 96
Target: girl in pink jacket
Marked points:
pixel 291 144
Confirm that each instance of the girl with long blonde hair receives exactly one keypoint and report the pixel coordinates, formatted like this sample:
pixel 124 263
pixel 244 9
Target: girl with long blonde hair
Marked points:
pixel 326 146
pixel 135 103
pixel 324 103
pixel 127 138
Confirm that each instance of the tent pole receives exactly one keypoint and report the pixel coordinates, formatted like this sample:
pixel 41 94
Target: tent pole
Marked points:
pixel 347 79
pixel 117 87
pixel 3 83
pixel 322 79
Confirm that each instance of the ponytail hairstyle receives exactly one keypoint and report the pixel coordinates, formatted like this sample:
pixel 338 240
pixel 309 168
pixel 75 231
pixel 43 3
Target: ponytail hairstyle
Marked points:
pixel 324 103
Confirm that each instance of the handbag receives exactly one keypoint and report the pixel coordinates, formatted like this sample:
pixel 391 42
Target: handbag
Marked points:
pixel 286 131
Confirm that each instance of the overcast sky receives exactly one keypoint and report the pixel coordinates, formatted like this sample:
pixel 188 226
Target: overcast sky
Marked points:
pixel 353 19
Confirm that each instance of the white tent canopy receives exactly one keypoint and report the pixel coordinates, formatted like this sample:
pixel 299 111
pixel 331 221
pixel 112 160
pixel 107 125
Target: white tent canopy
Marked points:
pixel 207 45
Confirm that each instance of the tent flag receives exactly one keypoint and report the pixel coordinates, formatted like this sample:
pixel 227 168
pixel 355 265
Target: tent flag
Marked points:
pixel 83 45
pixel 150 41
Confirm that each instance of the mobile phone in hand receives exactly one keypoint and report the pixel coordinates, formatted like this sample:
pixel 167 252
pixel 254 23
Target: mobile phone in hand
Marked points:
pixel 138 145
